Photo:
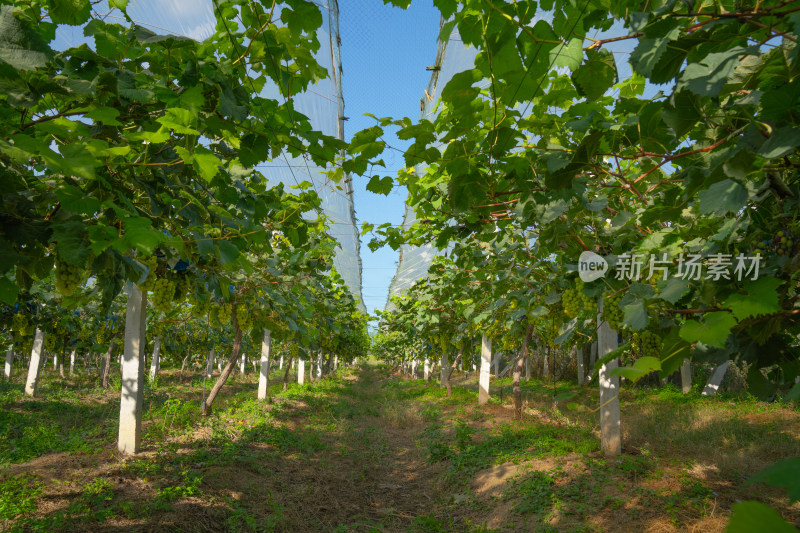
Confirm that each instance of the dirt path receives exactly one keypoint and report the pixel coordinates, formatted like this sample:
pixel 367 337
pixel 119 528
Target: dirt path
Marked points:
pixel 342 461
pixel 373 452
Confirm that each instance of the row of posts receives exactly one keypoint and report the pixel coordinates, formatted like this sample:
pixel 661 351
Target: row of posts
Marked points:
pixel 132 368
pixel 607 341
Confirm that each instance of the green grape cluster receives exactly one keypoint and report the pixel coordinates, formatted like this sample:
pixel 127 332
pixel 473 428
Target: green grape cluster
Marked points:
pixel 572 302
pixel 149 283
pixel 224 313
pixel 294 349
pixel 163 293
pixel 68 278
pixel 213 318
pixel 611 310
pixel 245 317
pixel 21 324
pixel 202 307
pixel 650 344
pixel 508 343
pixel 575 301
pixel 182 287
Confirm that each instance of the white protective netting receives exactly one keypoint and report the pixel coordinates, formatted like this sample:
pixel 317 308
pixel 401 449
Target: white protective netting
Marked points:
pixel 452 57
pixel 322 103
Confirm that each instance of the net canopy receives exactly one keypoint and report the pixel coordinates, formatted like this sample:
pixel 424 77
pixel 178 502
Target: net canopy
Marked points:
pixel 322 103
pixel 452 57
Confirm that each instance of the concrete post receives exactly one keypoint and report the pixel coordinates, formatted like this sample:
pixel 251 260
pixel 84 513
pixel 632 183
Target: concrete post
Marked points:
pixel 319 365
pixel 445 365
pixel 243 364
pixel 610 439
pixel 155 362
pixel 263 377
pixel 426 368
pixel 486 370
pixel 715 380
pixel 686 376
pixel 581 372
pixel 72 361
pixel 9 363
pixel 210 363
pixel 130 407
pixel 301 371
pixel 32 383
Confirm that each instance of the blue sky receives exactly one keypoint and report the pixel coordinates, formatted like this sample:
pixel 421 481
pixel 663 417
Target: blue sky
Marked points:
pixel 384 54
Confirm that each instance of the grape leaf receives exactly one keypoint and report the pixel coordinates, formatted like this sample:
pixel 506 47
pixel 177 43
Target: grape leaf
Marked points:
pixel 596 75
pixel 8 291
pixel 726 196
pixel 782 141
pixel 72 12
pixel 673 351
pixel 784 473
pixel 635 315
pixel 714 329
pixel 21 46
pixel 761 299
pixel 380 185
pixel 749 517
pixel 641 367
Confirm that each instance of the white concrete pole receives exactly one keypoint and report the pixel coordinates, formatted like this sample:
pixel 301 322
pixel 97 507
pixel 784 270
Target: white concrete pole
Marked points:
pixel 528 367
pixel 319 365
pixel 414 363
pixel 301 371
pixel 335 362
pixel 715 380
pixel 280 363
pixel 486 370
pixel 686 376
pixel 9 363
pixel 55 362
pixel 581 372
pixel 443 373
pixel 72 361
pixel 130 406
pixel 210 363
pixel 243 364
pixel 610 439
pixel 32 383
pixel 426 368
pixel 263 377
pixel 155 362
